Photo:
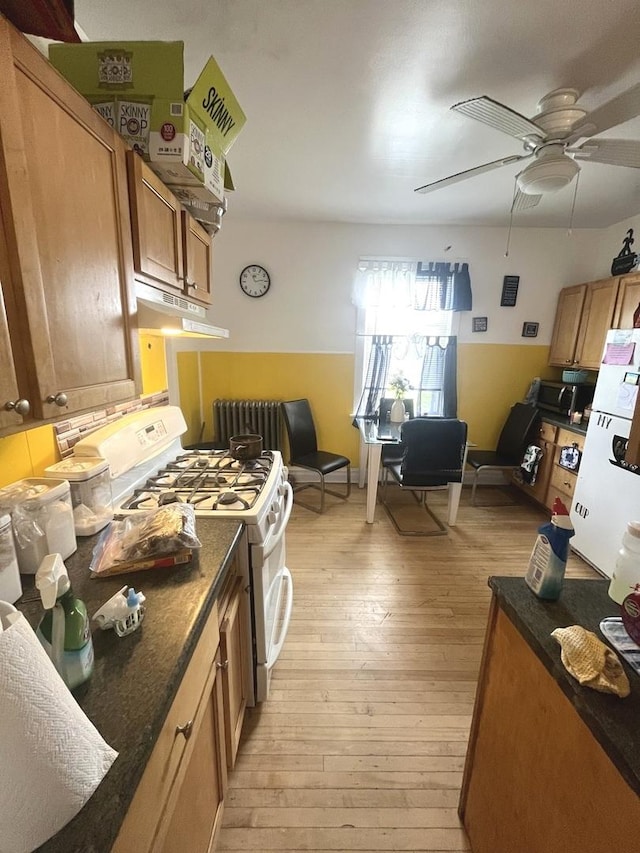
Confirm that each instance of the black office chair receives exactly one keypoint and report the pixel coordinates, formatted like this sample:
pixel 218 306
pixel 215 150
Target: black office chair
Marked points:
pixel 434 451
pixel 304 453
pixel 514 438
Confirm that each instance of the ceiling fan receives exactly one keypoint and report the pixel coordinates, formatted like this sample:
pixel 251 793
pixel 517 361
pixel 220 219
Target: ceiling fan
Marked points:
pixel 550 139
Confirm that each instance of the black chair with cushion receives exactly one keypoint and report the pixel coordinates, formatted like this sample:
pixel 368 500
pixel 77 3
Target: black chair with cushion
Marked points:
pixel 434 452
pixel 304 453
pixel 514 438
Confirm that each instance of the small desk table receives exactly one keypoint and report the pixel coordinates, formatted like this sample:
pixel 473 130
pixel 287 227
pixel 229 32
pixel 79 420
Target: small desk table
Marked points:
pixel 372 438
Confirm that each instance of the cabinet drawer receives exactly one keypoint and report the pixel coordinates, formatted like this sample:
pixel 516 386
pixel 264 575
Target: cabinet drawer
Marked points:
pixel 564 481
pixel 567 437
pixel 548 432
pixel 146 809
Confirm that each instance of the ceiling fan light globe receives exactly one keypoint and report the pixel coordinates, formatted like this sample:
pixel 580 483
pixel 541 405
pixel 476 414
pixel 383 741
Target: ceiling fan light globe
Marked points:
pixel 547 175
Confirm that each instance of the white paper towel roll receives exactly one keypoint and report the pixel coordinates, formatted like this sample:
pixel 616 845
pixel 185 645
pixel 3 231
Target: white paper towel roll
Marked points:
pixel 52 758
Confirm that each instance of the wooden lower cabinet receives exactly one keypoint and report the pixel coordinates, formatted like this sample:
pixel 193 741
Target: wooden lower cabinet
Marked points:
pixel 546 441
pixel 197 814
pixel 181 792
pixel 236 666
pixel 563 481
pixel 535 779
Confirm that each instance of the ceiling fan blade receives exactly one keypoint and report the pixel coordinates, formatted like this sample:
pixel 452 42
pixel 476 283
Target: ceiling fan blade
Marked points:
pixel 616 111
pixel 614 152
pixel 470 173
pixel 498 116
pixel 523 201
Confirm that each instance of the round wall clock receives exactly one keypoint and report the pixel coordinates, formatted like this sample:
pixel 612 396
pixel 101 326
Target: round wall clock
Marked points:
pixel 254 280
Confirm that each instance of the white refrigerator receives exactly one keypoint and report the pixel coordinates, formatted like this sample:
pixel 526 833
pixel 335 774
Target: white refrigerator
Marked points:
pixel 607 493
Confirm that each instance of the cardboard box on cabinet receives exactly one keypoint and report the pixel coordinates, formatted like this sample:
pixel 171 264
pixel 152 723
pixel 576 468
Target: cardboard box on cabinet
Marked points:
pixel 138 87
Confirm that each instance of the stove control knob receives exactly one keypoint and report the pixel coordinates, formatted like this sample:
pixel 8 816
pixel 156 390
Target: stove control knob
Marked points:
pixel 281 489
pixel 275 507
pixel 272 517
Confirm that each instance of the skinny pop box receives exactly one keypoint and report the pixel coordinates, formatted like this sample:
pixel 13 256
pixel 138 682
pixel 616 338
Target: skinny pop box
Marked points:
pixel 121 80
pixel 189 141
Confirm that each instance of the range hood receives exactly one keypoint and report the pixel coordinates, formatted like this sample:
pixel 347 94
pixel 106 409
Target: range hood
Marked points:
pixel 164 313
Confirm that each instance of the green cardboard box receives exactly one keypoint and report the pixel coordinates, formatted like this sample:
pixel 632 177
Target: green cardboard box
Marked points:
pixel 188 142
pixel 138 87
pixel 123 79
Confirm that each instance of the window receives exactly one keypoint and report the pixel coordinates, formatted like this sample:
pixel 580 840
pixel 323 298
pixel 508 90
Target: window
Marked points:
pixel 406 326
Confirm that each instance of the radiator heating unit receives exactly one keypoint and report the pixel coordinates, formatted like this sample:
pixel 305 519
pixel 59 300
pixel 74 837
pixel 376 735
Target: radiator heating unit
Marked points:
pixel 234 417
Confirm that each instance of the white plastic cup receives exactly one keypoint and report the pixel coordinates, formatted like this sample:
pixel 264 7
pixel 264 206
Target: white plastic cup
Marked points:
pixel 626 573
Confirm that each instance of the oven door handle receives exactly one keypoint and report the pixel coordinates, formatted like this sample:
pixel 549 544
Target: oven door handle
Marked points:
pixel 276 646
pixel 274 538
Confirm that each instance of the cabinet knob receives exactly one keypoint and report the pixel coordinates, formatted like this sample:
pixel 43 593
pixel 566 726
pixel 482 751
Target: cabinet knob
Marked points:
pixel 60 399
pixel 193 284
pixel 20 407
pixel 185 730
pixel 224 665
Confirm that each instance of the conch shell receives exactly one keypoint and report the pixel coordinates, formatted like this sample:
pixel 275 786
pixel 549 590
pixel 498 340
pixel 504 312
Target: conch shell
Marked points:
pixel 590 661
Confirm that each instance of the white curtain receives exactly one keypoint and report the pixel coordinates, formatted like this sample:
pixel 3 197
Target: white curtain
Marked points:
pixel 385 284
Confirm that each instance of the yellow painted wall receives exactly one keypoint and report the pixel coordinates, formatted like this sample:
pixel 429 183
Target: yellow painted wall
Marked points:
pixel 189 384
pixel 27 454
pixel 153 363
pixel 491 378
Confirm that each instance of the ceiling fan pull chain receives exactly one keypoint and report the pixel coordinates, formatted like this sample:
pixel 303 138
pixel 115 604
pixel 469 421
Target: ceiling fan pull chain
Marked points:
pixel 573 206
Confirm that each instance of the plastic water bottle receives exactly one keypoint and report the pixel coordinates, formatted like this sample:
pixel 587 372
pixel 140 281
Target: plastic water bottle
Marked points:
pixel 627 571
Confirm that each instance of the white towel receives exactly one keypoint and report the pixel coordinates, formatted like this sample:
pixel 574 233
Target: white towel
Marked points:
pixel 52 758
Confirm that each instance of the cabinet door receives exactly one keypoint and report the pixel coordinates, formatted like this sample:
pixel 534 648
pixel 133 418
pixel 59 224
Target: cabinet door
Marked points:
pixel 14 409
pixel 66 216
pixel 234 654
pixel 597 319
pixel 628 301
pixel 197 254
pixel 197 815
pixel 567 324
pixel 157 227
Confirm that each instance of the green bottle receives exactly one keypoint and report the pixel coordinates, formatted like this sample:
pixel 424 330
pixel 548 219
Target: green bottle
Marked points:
pixel 64 630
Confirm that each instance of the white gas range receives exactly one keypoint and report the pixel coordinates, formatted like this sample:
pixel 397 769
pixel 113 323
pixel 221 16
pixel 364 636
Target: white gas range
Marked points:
pixel 150 468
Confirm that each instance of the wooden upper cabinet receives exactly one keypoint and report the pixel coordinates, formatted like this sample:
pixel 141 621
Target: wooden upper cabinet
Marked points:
pixel 65 212
pixel 157 227
pixel 585 313
pixel 597 319
pixel 171 251
pixel 567 325
pixel 197 258
pixel 628 301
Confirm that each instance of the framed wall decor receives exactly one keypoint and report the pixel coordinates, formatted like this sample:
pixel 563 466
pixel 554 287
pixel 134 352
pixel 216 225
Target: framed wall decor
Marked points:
pixel 530 330
pixel 509 290
pixel 479 324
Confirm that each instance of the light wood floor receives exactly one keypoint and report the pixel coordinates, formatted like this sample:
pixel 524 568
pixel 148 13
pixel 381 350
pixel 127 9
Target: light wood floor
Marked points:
pixel 361 745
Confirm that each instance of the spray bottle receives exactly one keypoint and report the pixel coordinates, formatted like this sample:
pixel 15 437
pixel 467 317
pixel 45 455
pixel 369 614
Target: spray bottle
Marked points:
pixel 64 629
pixel 548 559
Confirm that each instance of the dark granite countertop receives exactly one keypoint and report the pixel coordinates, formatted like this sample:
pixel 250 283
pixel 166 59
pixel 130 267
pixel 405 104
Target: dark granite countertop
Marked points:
pixel 612 721
pixel 565 423
pixel 135 678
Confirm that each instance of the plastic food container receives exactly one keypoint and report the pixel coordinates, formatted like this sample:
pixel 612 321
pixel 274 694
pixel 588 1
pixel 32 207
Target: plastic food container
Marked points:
pixel 10 585
pixel 42 519
pixel 90 482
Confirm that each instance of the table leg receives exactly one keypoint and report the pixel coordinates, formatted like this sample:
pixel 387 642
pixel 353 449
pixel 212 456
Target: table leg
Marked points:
pixel 362 470
pixel 455 490
pixel 373 471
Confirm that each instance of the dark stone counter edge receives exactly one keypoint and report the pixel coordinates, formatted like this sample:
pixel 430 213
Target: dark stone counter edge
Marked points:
pixel 578 695
pixel 565 423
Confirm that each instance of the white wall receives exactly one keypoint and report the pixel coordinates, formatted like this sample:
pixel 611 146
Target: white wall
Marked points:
pixel 312 265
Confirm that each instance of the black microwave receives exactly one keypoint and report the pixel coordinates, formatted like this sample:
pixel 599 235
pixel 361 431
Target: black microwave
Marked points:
pixel 564 399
